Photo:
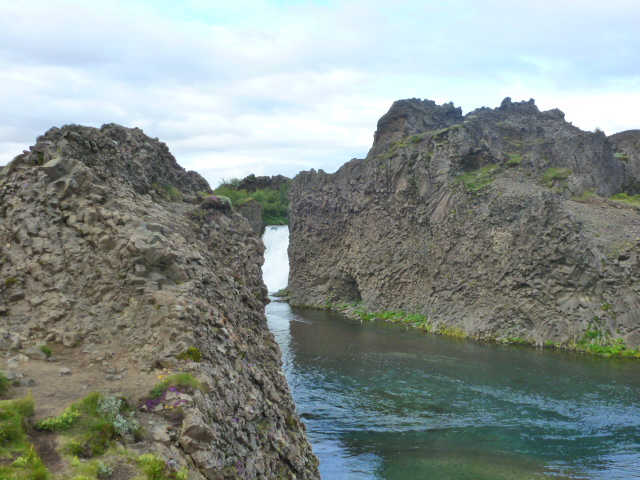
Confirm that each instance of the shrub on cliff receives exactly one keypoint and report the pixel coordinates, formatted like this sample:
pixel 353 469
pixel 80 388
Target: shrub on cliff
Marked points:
pixel 275 202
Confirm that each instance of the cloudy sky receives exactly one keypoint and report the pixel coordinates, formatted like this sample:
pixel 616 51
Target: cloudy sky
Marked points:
pixel 278 86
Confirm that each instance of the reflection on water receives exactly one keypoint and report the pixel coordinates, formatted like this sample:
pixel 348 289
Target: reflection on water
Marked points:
pixel 383 402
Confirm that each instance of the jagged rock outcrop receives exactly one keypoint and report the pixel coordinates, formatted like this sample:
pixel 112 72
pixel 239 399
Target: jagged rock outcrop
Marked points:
pixel 251 183
pixel 252 211
pixel 626 148
pixel 107 247
pixel 494 225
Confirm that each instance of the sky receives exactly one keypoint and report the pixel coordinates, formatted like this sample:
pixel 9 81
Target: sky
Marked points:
pixel 276 87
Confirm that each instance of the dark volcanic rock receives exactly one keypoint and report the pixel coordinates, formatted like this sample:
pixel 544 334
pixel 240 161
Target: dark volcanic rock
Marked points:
pixel 626 147
pixel 408 228
pixel 410 117
pixel 252 211
pixel 94 257
pixel 252 183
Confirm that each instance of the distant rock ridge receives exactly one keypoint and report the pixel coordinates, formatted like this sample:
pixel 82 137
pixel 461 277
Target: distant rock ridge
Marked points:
pixel 251 183
pixel 495 224
pixel 110 249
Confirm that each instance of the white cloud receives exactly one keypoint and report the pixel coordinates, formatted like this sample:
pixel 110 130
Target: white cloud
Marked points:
pixel 278 86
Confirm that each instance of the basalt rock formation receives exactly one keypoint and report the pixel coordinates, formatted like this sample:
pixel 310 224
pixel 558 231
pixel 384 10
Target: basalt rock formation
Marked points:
pixel 113 254
pixel 495 224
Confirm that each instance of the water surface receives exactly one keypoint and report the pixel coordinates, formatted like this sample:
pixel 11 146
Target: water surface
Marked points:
pixel 384 402
pixel 387 403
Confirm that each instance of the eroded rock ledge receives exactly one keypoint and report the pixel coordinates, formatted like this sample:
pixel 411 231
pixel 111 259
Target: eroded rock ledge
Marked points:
pixel 495 224
pixel 108 249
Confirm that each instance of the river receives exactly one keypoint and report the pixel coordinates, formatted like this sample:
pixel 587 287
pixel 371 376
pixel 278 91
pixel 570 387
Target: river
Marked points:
pixel 385 402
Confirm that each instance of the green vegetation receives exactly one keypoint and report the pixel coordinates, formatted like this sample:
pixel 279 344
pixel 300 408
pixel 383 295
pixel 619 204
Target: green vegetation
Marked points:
pixel 46 349
pixel 601 343
pixel 479 179
pixel 90 428
pixel 275 203
pixel 184 380
pixel 157 469
pixel 4 383
pixel 191 353
pixel 64 421
pixel 168 191
pixel 18 460
pixel 623 197
pixel 10 281
pixel 516 341
pixel 621 156
pixel 93 424
pixel 585 196
pixel 514 160
pixel 357 310
pixel 553 175
pixel 598 340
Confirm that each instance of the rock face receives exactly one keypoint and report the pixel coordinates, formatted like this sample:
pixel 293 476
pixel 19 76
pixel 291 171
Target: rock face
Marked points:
pixel 493 225
pixel 252 183
pixel 626 148
pixel 95 256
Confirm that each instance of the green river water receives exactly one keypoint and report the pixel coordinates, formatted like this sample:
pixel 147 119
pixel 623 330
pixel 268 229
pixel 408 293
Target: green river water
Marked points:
pixel 384 402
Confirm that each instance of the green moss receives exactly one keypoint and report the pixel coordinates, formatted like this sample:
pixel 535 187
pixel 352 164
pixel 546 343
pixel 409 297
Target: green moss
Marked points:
pixel 10 281
pixel 168 191
pixel 479 179
pixel 46 349
pixel 155 468
pixel 451 332
pixel 516 341
pixel 585 196
pixel 623 197
pixel 514 160
pixel 185 380
pixel 552 175
pixel 191 353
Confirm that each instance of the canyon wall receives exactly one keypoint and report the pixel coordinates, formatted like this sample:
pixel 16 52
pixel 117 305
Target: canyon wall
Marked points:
pixel 112 254
pixel 495 224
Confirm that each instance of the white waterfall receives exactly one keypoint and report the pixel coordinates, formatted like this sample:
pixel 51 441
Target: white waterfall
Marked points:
pixel 275 270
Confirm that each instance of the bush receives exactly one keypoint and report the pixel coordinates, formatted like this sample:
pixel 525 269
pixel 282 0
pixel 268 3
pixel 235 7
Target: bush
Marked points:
pixel 191 353
pixel 64 421
pixel 117 411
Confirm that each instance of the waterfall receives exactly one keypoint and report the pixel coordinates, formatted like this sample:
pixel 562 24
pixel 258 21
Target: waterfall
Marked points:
pixel 275 270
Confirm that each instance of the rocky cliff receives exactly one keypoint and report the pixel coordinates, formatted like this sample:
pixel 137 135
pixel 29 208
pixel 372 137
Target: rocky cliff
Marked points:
pixel 495 224
pixel 118 260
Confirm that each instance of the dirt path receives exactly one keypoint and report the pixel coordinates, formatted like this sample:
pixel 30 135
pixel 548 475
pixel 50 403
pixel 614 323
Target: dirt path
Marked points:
pixel 54 388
